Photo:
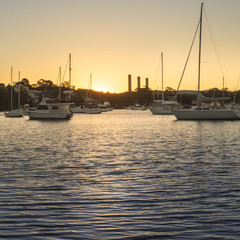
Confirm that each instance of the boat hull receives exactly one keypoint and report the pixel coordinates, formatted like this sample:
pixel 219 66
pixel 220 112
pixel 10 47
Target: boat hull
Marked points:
pixel 214 114
pixel 160 111
pixel 78 110
pixel 41 115
pixel 93 111
pixel 14 114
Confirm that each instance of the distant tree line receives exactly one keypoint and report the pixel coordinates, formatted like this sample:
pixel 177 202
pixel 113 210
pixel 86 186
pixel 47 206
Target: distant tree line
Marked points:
pixel 143 96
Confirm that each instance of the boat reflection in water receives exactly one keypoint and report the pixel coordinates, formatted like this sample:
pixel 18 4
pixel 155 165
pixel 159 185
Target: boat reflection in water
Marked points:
pixel 50 109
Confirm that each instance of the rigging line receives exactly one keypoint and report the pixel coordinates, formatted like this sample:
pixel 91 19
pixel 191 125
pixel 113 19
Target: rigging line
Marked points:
pixel 89 87
pixel 234 99
pixel 65 70
pixel 214 44
pixel 58 78
pixel 187 58
pixel 157 70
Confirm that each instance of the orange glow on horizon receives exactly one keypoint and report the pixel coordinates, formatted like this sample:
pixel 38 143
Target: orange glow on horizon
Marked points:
pixel 101 89
pixel 113 45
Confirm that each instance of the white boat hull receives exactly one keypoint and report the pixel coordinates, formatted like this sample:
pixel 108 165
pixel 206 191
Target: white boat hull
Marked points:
pixel 160 111
pixel 47 115
pixel 212 114
pixel 93 111
pixel 14 113
pixel 78 110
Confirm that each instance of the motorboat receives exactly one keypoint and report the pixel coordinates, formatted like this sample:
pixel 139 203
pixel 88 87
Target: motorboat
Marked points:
pixel 105 107
pixel 50 109
pixel 136 107
pixel 14 113
pixel 78 109
pixel 93 109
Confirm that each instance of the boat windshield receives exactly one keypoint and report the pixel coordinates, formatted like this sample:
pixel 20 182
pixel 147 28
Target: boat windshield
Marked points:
pixel 42 107
pixel 49 101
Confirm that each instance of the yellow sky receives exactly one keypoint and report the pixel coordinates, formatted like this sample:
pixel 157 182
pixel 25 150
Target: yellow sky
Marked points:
pixel 114 38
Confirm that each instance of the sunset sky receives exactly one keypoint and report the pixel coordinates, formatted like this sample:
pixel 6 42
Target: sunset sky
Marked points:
pixel 114 38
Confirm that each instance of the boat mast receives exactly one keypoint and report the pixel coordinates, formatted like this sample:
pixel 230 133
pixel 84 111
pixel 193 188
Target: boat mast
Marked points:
pixel 90 85
pixel 19 89
pixel 60 83
pixel 11 102
pixel 223 90
pixel 200 47
pixel 162 76
pixel 70 76
pixel 70 68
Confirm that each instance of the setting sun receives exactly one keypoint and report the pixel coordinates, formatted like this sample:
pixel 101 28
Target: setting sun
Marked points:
pixel 100 89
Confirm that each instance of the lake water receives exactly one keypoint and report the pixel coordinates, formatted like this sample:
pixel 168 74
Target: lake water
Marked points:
pixel 119 175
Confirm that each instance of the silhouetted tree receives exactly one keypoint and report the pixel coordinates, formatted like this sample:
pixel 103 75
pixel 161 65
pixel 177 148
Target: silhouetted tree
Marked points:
pixel 24 82
pixel 65 84
pixel 44 84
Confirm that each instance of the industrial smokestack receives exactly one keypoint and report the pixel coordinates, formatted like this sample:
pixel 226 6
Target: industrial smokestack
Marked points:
pixel 146 83
pixel 138 82
pixel 129 83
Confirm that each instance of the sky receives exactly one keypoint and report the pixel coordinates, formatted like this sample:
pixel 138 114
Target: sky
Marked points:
pixel 113 38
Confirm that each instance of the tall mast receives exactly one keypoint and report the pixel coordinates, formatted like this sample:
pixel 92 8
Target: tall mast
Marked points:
pixel 70 69
pixel 223 90
pixel 162 76
pixel 200 47
pixel 11 102
pixel 19 90
pixel 60 83
pixel 90 85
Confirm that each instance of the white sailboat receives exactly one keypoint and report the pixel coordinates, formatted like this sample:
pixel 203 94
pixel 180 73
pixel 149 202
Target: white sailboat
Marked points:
pixel 161 107
pixel 18 112
pixel 90 106
pixel 209 112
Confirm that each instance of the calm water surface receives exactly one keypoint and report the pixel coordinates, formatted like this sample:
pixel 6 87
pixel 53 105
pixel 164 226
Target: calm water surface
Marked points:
pixel 119 175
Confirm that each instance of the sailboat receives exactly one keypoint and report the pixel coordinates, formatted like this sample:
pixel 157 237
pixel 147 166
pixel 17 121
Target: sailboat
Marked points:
pixel 18 112
pixel 161 107
pixel 90 105
pixel 209 112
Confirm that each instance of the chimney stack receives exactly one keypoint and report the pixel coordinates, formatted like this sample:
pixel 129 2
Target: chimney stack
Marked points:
pixel 138 83
pixel 146 83
pixel 129 83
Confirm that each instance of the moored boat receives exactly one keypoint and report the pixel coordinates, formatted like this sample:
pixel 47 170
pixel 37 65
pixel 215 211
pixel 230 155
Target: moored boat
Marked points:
pixel 160 107
pixel 78 109
pixel 50 109
pixel 14 113
pixel 208 112
pixel 18 112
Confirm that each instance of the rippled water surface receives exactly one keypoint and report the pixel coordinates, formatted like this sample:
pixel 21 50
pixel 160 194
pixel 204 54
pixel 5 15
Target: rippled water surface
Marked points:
pixel 119 175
